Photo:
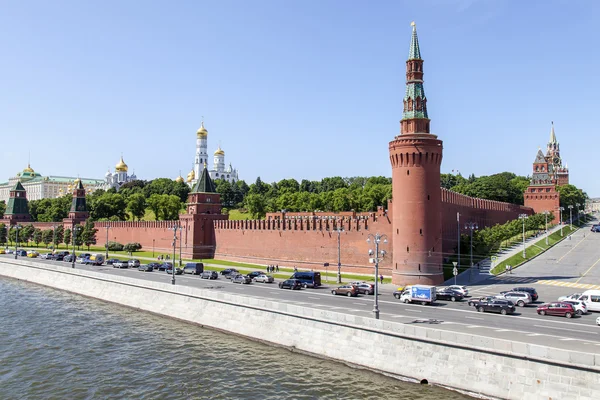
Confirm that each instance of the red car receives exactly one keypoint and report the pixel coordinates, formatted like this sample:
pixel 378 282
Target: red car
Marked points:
pixel 560 309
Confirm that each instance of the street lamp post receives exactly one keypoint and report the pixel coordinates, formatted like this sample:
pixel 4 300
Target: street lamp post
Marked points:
pixel 107 228
pixel 560 210
pixel 73 234
pixel 523 217
pixel 471 226
pixel 17 227
pixel 174 247
pixel 378 257
pixel 458 234
pixel 180 229
pixel 578 215
pixel 339 231
pixel 53 238
pixel 571 216
pixel 153 248
pixel 546 214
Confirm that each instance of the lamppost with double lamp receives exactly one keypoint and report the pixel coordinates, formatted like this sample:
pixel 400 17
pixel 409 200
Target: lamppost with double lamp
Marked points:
pixel 339 231
pixel 546 214
pixel 578 216
pixel 153 248
pixel 570 207
pixel 458 234
pixel 471 226
pixel 376 238
pixel 174 228
pixel 17 227
pixel 53 239
pixel 76 228
pixel 180 229
pixel 523 217
pixel 560 211
pixel 107 228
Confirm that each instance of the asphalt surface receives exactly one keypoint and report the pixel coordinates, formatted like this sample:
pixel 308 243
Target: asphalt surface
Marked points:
pixel 571 261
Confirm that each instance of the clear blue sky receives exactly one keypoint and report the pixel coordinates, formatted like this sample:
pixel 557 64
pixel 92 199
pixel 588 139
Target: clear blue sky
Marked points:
pixel 294 89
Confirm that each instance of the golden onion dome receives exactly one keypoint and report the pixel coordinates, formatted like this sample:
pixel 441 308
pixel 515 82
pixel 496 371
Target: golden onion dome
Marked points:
pixel 179 179
pixel 29 169
pixel 191 176
pixel 121 166
pixel 219 152
pixel 202 132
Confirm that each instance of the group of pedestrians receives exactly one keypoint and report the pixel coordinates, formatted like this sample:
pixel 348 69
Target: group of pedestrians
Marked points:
pixel 161 257
pixel 272 268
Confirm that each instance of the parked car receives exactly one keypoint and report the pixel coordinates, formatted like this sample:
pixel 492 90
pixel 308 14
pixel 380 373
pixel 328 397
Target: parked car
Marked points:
pixel 110 261
pixel 81 257
pixel 165 266
pixel 229 271
pixel 21 253
pixel 574 296
pixel 68 258
pixel 47 256
pixel 309 279
pixel 472 302
pixel 120 264
pixel 578 305
pixel 32 254
pixel 264 278
pixel 254 274
pixel 154 265
pixel 58 257
pixel 347 290
pixel 496 305
pixel 241 279
pixel 460 289
pixel 519 298
pixel 365 288
pixel 532 292
pixel 178 271
pixel 206 274
pixel 290 284
pixel 146 268
pixel 598 321
pixel 89 261
pixel 561 309
pixel 133 263
pixel 449 294
pixel 2 251
pixel 591 299
pixel 193 268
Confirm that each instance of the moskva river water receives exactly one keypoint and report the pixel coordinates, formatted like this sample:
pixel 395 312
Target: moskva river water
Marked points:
pixel 57 345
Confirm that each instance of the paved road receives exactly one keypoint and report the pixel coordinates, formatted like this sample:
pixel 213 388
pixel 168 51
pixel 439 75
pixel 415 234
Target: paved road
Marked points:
pixel 565 261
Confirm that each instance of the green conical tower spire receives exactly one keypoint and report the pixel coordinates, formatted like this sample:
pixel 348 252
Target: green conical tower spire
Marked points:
pixel 204 184
pixel 415 52
pixel 17 208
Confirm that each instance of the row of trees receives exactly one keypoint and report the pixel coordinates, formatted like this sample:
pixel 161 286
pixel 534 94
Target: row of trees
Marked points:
pixel 84 235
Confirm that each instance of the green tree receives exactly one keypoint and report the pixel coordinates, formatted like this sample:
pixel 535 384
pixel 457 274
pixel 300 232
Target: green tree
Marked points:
pixel 78 236
pixel 154 204
pixel 2 208
pixel 3 235
pixel 26 233
pixel 136 205
pixel 67 237
pixel 58 235
pixel 132 247
pixel 571 195
pixel 171 206
pixel 47 236
pixel 107 205
pixel 37 236
pixel 12 233
pixel 288 186
pixel 88 234
pixel 227 192
pixel 256 205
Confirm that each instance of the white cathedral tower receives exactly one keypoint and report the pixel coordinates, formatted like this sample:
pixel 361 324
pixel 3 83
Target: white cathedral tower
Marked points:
pixel 218 171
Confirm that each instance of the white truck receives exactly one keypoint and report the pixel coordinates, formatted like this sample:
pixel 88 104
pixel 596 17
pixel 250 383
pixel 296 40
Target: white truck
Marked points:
pixel 417 294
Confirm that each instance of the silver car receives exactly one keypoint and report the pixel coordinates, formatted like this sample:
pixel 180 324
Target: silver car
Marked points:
pixel 264 278
pixel 519 298
pixel 133 263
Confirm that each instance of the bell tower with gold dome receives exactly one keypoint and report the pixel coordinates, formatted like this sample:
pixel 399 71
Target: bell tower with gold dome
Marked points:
pixel 201 152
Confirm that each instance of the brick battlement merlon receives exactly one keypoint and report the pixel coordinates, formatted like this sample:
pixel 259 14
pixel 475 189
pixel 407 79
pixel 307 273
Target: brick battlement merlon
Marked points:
pixel 450 197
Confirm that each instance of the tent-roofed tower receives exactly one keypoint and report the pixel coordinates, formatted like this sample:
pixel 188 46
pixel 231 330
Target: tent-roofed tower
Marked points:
pixel 203 208
pixel 78 212
pixel 17 208
pixel 416 157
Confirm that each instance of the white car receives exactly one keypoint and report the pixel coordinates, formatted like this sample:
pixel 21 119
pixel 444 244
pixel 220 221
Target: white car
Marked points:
pixel 598 321
pixel 264 278
pixel 133 263
pixel 47 256
pixel 460 289
pixel 573 296
pixel 579 306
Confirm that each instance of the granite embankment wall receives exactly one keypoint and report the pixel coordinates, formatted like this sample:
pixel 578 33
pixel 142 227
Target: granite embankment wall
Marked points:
pixel 492 367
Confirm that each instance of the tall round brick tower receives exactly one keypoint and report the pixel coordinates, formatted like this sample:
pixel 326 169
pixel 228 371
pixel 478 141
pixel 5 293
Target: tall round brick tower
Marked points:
pixel 416 156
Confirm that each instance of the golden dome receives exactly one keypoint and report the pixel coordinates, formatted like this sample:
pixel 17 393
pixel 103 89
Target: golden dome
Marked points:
pixel 202 132
pixel 179 179
pixel 121 166
pixel 191 176
pixel 29 169
pixel 219 152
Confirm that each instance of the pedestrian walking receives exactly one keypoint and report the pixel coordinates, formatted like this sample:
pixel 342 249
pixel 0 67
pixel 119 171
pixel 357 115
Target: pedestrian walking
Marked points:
pixel 277 268
pixel 295 269
pixel 381 278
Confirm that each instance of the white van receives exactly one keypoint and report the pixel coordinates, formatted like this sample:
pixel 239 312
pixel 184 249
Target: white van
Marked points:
pixel 591 298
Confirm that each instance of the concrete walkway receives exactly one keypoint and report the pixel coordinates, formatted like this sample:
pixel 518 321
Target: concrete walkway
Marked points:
pixel 474 274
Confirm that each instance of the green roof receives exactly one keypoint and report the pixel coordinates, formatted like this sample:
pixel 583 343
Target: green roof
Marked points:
pixel 204 184
pixel 414 53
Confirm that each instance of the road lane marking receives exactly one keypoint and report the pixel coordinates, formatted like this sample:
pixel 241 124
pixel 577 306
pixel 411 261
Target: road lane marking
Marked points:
pixel 589 269
pixel 474 318
pixel 473 326
pixel 566 339
pixel 572 248
pixel 361 304
pixel 535 334
pixel 565 329
pixel 503 330
pixel 408 309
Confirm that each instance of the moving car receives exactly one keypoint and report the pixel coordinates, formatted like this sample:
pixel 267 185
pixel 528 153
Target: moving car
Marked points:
pixel 154 265
pixel 417 294
pixel 264 278
pixel 449 294
pixel 68 258
pixel 308 279
pixel 133 263
pixel 485 298
pixel 561 309
pixel 532 292
pixel 591 298
pixel 32 254
pixel 574 296
pixel 239 278
pixel 460 289
pixel 47 256
pixel 2 251
pixel 81 257
pixel 365 288
pixel 169 270
pixel 209 274
pixel 578 305
pixel 193 268
pixel 519 298
pixel 254 274
pixel 496 305
pixel 120 264
pixel 598 321
pixel 111 261
pixel 291 284
pixel 146 268
pixel 96 259
pixel 229 271
pixel 165 266
pixel 347 290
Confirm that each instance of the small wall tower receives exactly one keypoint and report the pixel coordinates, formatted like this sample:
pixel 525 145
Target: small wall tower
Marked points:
pixel 78 212
pixel 17 208
pixel 416 157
